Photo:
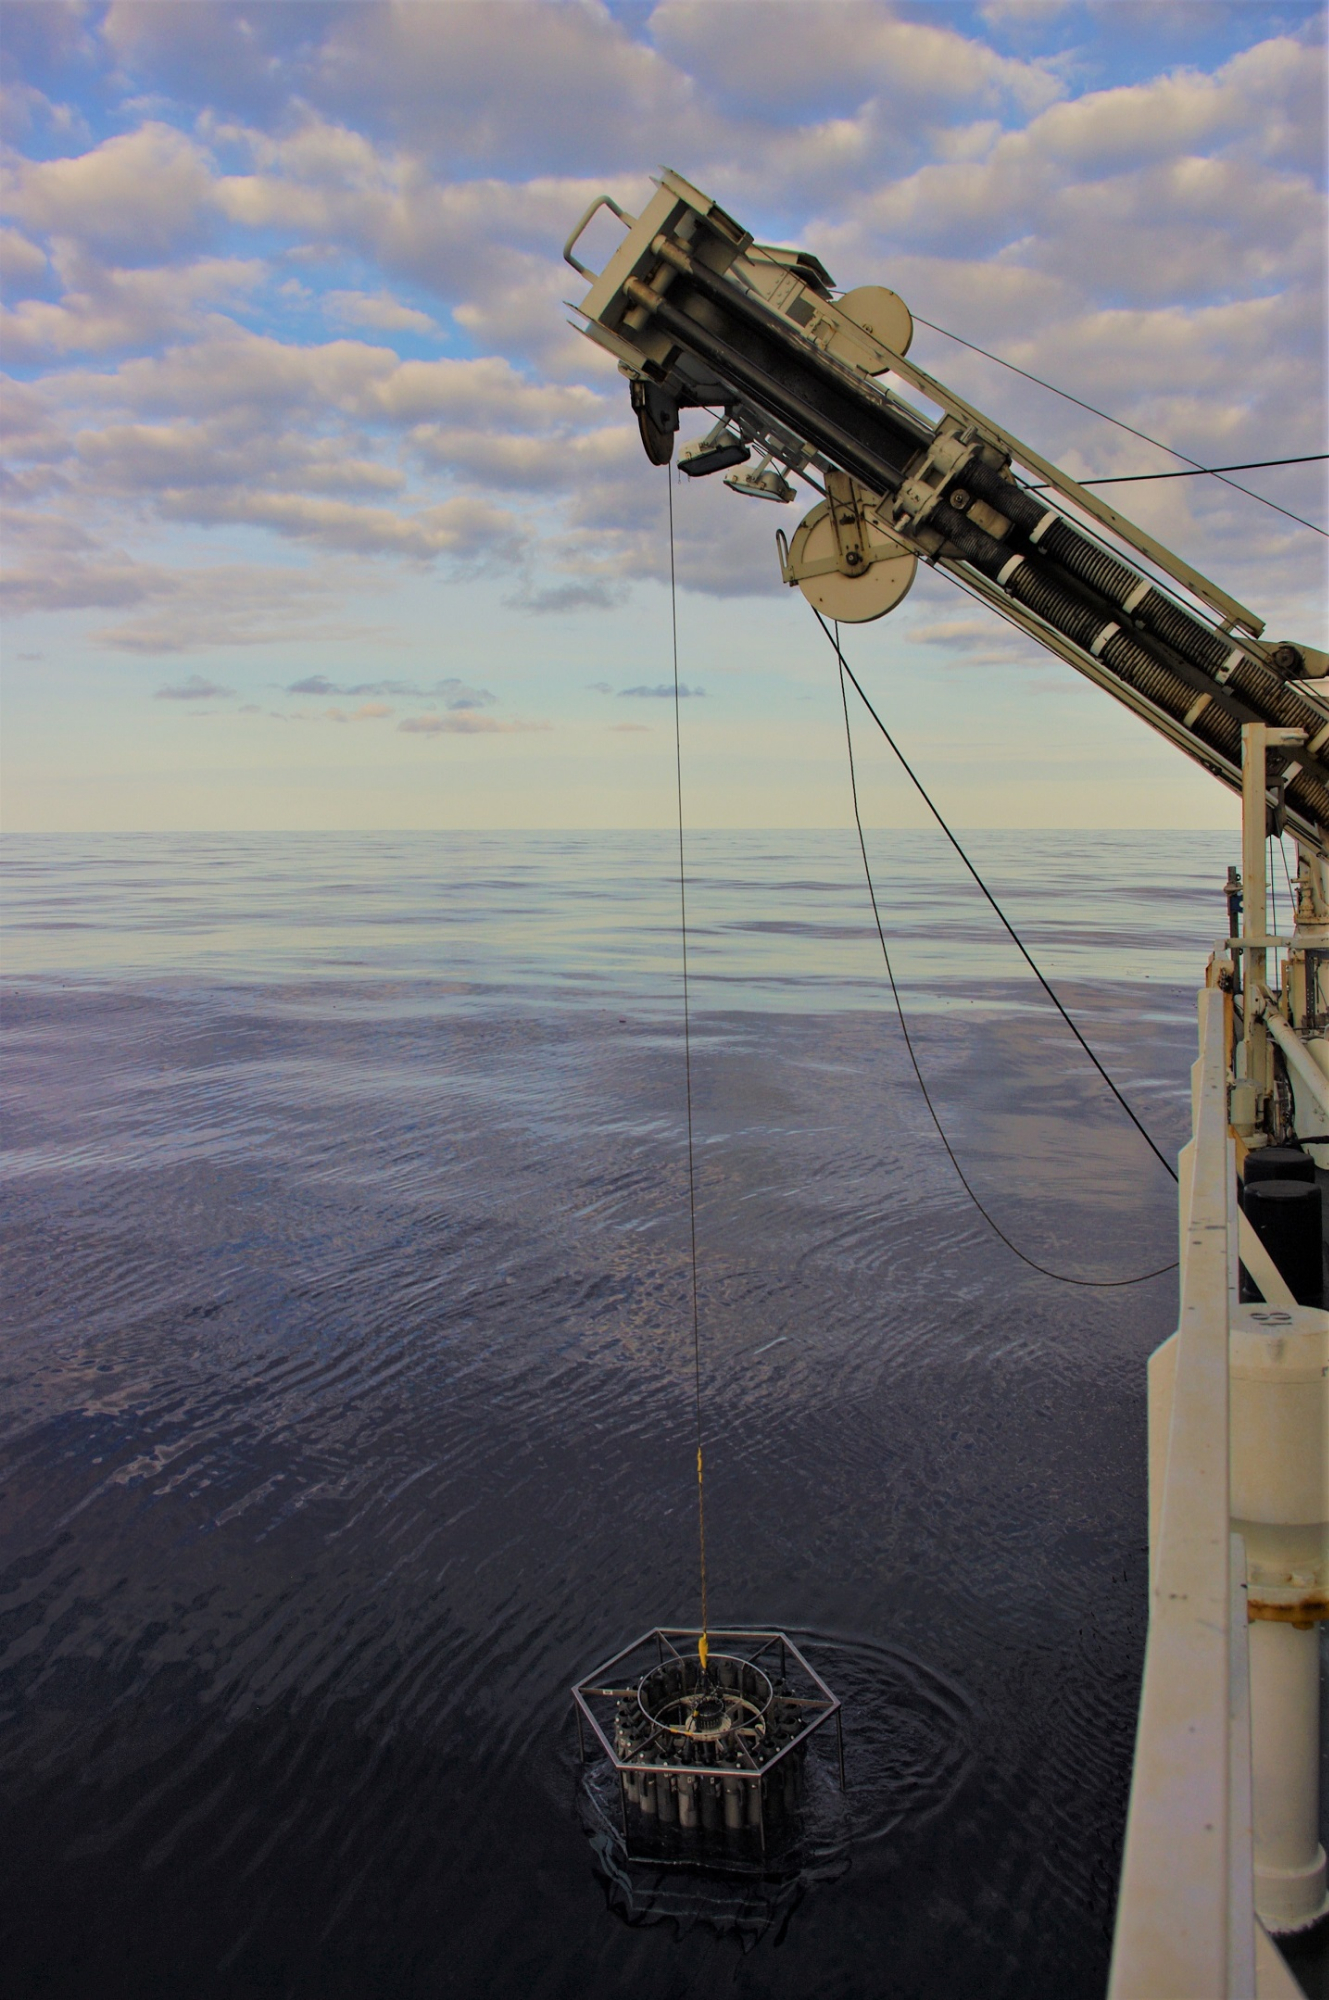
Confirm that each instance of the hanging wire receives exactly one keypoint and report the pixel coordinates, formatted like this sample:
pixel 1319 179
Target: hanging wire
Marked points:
pixel 1044 1270
pixel 1094 411
pixel 1291 892
pixel 1190 472
pixel 1273 885
pixel 1004 920
pixel 703 1647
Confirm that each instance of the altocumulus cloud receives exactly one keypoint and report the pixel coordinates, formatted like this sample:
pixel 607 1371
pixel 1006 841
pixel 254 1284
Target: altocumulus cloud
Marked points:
pixel 1126 200
pixel 466 725
pixel 663 691
pixel 369 711
pixel 196 688
pixel 455 693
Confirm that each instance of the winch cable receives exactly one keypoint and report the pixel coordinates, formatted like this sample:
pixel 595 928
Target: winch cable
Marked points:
pixel 703 1647
pixel 1061 1277
pixel 1189 472
pixel 1066 396
pixel 1005 921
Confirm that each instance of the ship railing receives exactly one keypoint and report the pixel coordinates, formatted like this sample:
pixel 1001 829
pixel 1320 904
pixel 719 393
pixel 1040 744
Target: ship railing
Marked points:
pixel 1186 1927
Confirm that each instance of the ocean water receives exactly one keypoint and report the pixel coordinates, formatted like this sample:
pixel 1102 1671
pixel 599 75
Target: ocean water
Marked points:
pixel 347 1412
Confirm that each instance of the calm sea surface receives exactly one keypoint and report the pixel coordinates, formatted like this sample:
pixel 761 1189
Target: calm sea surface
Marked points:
pixel 347 1397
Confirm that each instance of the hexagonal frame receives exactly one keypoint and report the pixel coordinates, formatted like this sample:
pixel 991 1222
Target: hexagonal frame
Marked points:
pixel 619 1678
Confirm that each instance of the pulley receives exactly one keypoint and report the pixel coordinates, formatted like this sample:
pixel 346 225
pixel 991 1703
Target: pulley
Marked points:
pixel 844 559
pixel 883 316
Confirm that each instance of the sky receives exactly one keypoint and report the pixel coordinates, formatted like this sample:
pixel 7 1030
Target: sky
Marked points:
pixel 319 513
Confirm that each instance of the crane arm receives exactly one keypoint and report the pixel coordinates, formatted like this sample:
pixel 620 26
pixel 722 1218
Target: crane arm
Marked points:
pixel 699 316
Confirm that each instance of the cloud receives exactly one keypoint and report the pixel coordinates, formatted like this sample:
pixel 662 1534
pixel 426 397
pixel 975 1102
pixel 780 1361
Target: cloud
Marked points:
pixel 181 457
pixel 305 441
pixel 533 462
pixel 141 196
pixel 569 597
pixel 465 528
pixel 377 309
pixel 631 728
pixel 55 565
pixel 1134 190
pixel 768 55
pixel 1021 13
pixel 663 691
pixel 476 84
pixel 370 711
pixel 581 86
pixel 1155 245
pixel 101 310
pixel 229 370
pixel 465 725
pixel 456 693
pixel 20 261
pixel 196 688
pixel 945 631
pixel 975 642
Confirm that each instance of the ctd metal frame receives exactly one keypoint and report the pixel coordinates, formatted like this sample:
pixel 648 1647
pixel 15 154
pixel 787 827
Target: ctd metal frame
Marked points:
pixel 752 1791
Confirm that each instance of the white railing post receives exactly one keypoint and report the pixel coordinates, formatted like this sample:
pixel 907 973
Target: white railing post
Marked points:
pixel 1172 1938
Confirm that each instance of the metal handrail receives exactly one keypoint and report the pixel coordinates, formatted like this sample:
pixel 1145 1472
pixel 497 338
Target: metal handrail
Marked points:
pixel 601 201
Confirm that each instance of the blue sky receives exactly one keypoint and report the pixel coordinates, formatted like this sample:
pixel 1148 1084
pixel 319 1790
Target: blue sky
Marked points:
pixel 319 513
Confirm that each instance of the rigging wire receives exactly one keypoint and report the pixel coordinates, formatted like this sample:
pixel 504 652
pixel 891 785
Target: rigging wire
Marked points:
pixel 1291 892
pixel 1273 884
pixel 1061 1277
pixel 1094 411
pixel 703 1647
pixel 1002 918
pixel 1189 472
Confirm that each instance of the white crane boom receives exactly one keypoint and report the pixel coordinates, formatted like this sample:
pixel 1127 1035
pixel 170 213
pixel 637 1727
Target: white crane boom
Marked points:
pixel 700 316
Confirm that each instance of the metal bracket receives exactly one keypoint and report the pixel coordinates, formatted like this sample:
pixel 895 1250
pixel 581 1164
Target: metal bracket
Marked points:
pixel 947 456
pixel 842 493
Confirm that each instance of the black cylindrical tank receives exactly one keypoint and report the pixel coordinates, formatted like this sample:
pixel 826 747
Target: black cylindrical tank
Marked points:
pixel 1286 1215
pixel 1278 1163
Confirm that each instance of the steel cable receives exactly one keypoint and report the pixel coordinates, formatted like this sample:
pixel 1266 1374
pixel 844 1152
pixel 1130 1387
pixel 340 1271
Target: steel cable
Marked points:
pixel 1061 1277
pixel 1094 411
pixel 704 1645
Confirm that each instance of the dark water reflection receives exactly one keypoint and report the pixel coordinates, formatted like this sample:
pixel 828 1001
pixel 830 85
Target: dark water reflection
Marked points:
pixel 348 1421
